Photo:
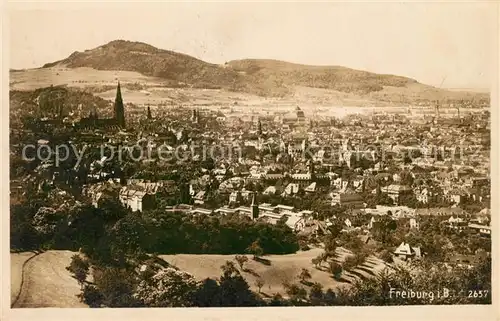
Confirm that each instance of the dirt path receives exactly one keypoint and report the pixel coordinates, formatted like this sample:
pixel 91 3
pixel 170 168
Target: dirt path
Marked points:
pixel 17 263
pixel 47 283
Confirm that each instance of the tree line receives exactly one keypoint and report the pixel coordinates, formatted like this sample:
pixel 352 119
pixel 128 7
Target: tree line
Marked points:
pixel 111 228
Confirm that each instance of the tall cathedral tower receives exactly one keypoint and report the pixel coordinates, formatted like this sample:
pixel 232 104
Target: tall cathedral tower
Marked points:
pixel 119 110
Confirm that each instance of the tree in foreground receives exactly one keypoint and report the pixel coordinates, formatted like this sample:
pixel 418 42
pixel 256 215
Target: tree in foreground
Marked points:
pixel 424 277
pixel 277 300
pixel 116 286
pixel 386 256
pixel 167 288
pixel 323 257
pixel 79 268
pixel 235 291
pixel 228 268
pixel 304 276
pixel 315 262
pixel 241 259
pixel 91 296
pixel 316 295
pixel 350 262
pixel 335 270
pixel 259 283
pixel 297 294
pixel 255 249
pixel 329 297
pixel 208 294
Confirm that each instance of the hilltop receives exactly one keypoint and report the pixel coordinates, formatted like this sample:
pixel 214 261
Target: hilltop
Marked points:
pixel 149 74
pixel 150 61
pixel 328 77
pixel 254 76
pixel 263 77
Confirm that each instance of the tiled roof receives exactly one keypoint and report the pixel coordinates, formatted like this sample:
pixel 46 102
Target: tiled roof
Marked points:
pixel 405 249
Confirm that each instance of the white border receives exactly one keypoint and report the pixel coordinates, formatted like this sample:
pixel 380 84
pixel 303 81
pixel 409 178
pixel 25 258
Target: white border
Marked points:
pixel 455 313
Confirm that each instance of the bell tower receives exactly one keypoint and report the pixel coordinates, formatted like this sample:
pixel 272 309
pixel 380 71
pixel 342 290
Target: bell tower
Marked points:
pixel 119 109
pixel 254 207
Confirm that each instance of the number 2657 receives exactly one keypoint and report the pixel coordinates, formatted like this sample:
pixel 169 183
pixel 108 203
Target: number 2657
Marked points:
pixel 478 293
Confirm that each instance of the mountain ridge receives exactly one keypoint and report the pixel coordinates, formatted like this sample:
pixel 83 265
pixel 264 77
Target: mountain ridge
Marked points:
pixel 265 77
pixel 262 77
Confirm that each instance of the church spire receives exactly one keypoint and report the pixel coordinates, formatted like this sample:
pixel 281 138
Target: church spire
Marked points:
pixel 254 207
pixel 310 167
pixel 195 116
pixel 94 112
pixel 119 109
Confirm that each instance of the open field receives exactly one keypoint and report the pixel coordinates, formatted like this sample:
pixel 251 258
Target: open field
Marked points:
pixel 282 268
pixel 143 90
pixel 31 79
pixel 47 283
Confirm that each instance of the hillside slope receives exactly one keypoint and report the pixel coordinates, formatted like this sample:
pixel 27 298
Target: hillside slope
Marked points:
pixel 150 61
pixel 47 283
pixel 328 77
pixel 261 77
pixel 50 101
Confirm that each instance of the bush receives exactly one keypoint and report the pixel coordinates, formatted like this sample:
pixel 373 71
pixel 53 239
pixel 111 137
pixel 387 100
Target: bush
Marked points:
pixel 350 262
pixel 316 294
pixel 386 256
pixel 329 297
pixel 90 295
pixel 304 246
pixel 116 286
pixel 23 235
pixel 351 241
pixel 241 259
pixel 208 294
pixel 79 267
pixel 361 256
pixel 304 276
pixel 278 300
pixel 296 293
pixel 167 288
pixel 335 269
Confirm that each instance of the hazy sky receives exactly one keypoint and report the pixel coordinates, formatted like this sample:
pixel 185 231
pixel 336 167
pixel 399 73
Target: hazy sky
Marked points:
pixel 426 41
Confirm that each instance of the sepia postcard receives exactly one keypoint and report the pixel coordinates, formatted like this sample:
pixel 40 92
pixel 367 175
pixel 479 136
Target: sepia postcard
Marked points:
pixel 250 160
